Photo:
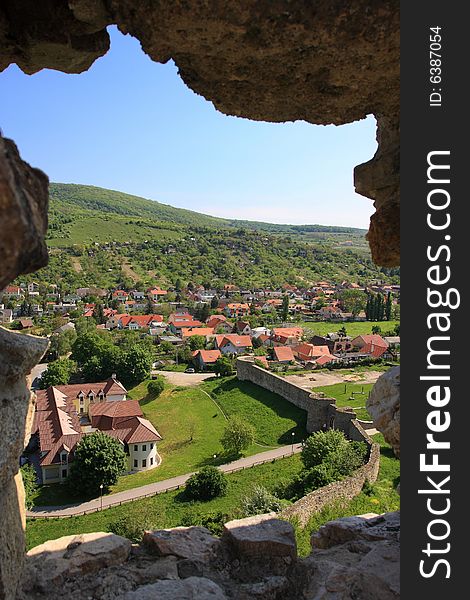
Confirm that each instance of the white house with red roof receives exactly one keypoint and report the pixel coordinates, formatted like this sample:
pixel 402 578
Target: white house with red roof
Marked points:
pixel 283 354
pixel 60 422
pixel 233 343
pixel 309 353
pixel 155 294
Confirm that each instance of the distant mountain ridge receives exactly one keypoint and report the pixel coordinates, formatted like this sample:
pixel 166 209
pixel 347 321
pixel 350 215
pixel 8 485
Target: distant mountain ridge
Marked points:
pixel 88 197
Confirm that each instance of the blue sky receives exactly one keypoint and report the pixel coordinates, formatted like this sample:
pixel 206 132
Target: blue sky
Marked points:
pixel 132 125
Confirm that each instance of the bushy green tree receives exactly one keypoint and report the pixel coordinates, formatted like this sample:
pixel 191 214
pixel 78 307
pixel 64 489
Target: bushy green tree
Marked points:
pixel 223 366
pixel 206 484
pixel 98 459
pixel 156 386
pixel 58 373
pixel 238 435
pixel 30 484
pixel 197 342
pixel 320 445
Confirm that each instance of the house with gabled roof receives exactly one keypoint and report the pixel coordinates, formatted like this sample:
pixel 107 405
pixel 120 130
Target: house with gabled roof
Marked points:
pixel 233 344
pixel 372 344
pixel 65 414
pixel 206 358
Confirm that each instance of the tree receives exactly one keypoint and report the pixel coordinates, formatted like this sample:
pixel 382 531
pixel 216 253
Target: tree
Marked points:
pixel 156 386
pixel 98 314
pixel 223 366
pixel 238 435
pixel 137 365
pixel 285 307
pixel 376 329
pixel 58 373
pixel 215 302
pixel 320 445
pixel 388 307
pixel 353 301
pixel 208 483
pixel 30 484
pixel 197 342
pixel 98 459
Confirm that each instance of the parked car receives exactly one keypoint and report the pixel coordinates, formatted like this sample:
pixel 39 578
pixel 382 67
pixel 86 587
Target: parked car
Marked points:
pixel 190 370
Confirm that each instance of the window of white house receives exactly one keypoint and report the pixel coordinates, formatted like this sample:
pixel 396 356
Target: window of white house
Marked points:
pixel 151 446
pixel 136 447
pixel 63 457
pixel 144 447
pixel 144 462
pixel 136 464
pixel 151 460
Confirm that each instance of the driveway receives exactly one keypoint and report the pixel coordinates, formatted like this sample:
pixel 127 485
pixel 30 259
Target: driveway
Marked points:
pixel 184 379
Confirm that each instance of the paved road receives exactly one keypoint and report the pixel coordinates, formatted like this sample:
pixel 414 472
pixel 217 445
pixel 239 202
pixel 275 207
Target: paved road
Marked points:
pixel 155 488
pixel 37 371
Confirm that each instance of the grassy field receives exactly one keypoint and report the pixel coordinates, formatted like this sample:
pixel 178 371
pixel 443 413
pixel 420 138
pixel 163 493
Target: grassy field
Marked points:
pixel 273 418
pixel 191 426
pixel 167 510
pixel 343 393
pixel 353 329
pixel 382 497
pixel 171 509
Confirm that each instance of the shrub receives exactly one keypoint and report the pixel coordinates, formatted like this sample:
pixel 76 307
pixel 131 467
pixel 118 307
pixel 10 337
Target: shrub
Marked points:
pixel 348 458
pixel 131 526
pixel 30 484
pixel 238 435
pixel 259 501
pixel 156 386
pixel 320 444
pixel 208 483
pixel 214 522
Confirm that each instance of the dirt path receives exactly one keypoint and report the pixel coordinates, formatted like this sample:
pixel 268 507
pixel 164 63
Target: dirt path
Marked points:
pixel 184 379
pixel 313 380
pixel 129 271
pixel 77 267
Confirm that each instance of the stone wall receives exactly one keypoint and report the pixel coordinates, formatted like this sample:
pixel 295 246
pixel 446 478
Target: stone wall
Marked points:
pixel 346 489
pixel 319 412
pixel 318 409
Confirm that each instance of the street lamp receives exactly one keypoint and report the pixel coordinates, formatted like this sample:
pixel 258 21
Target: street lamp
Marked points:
pixel 215 456
pixel 293 434
pixel 101 496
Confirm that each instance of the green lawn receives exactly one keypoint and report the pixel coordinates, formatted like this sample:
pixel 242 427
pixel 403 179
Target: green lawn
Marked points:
pixel 353 329
pixel 168 510
pixel 343 393
pixel 382 497
pixel 274 418
pixel 181 413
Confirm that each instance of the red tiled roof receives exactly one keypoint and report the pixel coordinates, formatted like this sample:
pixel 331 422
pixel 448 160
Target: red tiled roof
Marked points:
pixel 283 353
pixel 373 338
pixel 374 350
pixel 239 341
pixel 215 320
pixel 208 356
pixel 204 331
pixel 324 359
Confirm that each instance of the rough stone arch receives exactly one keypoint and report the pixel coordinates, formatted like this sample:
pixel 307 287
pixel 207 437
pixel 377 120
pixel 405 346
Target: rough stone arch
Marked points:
pixel 326 62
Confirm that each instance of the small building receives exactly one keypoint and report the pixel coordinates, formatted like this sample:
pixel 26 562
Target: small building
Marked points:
pixel 283 354
pixel 26 323
pixel 206 358
pixel 233 344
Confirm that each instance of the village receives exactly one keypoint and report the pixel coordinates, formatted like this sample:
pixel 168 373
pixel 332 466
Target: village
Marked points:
pixel 187 331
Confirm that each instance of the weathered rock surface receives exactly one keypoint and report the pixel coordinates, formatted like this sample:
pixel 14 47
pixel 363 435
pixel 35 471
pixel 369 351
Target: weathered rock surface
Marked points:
pixel 18 354
pixel 383 405
pixel 74 555
pixel 352 558
pixel 329 62
pixel 194 543
pixel 23 215
pixel 261 536
pixel 193 588
pixel 356 557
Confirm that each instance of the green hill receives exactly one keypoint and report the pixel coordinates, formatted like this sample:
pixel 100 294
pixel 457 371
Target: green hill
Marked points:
pixel 106 238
